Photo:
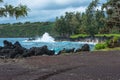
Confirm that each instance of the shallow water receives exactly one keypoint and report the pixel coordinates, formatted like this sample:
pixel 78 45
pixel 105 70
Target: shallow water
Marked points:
pixel 57 46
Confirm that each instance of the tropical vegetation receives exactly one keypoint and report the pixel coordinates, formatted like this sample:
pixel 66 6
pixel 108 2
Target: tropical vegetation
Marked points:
pixel 92 22
pixel 26 29
pixel 13 11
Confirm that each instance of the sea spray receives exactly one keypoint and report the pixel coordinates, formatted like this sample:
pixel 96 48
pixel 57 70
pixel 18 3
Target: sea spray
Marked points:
pixel 45 38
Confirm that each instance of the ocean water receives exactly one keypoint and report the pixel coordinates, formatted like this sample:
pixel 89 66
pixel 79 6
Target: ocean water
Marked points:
pixel 57 46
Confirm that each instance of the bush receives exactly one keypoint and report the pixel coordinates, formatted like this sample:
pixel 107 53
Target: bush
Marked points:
pixel 114 42
pixel 100 46
pixel 115 39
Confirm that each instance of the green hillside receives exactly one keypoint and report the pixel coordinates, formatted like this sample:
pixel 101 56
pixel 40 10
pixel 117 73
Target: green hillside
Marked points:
pixel 26 29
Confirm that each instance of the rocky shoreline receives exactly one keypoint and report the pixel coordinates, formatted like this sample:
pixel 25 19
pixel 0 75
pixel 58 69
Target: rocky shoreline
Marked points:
pixel 85 39
pixel 15 50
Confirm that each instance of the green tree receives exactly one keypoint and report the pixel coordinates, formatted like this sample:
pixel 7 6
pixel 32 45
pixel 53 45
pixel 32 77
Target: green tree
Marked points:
pixel 100 21
pixel 68 25
pixel 72 22
pixel 113 11
pixel 76 21
pixel 10 10
pixel 90 18
pixel 60 26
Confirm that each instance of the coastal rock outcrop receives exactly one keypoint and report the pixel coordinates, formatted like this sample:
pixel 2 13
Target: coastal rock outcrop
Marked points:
pixel 15 50
pixel 85 47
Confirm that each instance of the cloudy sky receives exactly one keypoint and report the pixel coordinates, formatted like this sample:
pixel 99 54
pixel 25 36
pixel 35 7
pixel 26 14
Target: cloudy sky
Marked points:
pixel 46 10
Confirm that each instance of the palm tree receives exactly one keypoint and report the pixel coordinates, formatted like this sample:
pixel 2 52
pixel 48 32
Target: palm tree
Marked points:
pixel 9 10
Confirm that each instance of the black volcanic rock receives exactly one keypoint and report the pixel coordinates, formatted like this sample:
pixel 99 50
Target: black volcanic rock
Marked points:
pixel 15 50
pixel 17 44
pixel 85 47
pixel 8 44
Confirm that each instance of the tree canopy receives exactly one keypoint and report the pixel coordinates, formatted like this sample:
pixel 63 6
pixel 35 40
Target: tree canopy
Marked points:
pixel 89 22
pixel 113 14
pixel 92 21
pixel 13 11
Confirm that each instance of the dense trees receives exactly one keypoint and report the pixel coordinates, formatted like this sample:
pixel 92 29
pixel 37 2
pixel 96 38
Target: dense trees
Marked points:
pixel 26 29
pixel 90 22
pixel 68 24
pixel 10 10
pixel 113 15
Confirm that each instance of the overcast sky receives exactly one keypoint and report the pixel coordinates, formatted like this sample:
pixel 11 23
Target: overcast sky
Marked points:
pixel 46 10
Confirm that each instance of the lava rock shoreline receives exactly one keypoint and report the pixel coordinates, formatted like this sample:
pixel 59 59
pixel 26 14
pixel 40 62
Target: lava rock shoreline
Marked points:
pixel 15 50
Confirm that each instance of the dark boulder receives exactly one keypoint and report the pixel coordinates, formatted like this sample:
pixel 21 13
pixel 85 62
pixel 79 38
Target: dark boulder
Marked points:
pixel 66 51
pixel 17 44
pixel 50 52
pixel 70 50
pixel 1 47
pixel 35 51
pixel 43 50
pixel 8 44
pixel 17 51
pixel 77 50
pixel 85 47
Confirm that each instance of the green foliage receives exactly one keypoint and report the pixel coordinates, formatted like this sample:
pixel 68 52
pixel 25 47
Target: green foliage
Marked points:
pixel 100 46
pixel 114 42
pixel 110 49
pixel 78 35
pixel 90 18
pixel 18 11
pixel 26 29
pixel 108 35
pixel 68 24
pixel 90 22
pixel 115 30
pixel 113 15
pixel 97 35
pixel 115 39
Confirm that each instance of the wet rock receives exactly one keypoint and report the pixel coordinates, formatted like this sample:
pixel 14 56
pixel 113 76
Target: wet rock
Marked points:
pixel 77 50
pixel 70 50
pixel 8 44
pixel 17 44
pixel 66 51
pixel 85 47
pixel 16 50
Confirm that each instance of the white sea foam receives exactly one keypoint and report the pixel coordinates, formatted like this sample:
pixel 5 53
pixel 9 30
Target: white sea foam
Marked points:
pixel 45 38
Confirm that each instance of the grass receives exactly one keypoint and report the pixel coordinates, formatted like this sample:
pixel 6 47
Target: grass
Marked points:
pixel 79 35
pixel 108 35
pixel 85 35
pixel 109 49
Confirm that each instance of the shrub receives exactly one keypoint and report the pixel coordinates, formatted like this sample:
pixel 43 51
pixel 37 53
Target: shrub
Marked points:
pixel 100 46
pixel 115 39
pixel 114 42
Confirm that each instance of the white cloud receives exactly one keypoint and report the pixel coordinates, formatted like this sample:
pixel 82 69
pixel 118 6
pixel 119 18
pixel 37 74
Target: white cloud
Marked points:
pixel 35 3
pixel 43 10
